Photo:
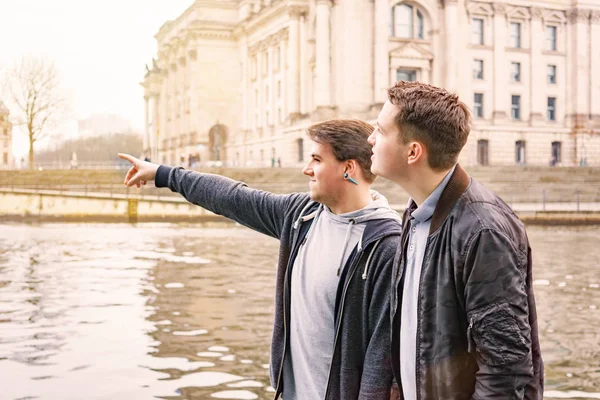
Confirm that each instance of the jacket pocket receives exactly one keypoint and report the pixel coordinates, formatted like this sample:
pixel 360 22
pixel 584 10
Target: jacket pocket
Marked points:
pixel 498 339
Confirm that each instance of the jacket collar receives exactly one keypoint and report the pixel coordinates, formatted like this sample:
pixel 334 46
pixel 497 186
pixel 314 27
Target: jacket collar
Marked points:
pixel 458 184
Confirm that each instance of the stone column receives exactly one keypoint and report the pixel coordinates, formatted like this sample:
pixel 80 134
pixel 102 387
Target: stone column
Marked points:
pixel 501 98
pixel 282 74
pixel 246 66
pixel 595 66
pixel 580 80
pixel 293 71
pixel 146 141
pixel 381 58
pixel 452 39
pixel 323 61
pixel 580 21
pixel 305 77
pixel 260 121
pixel 154 136
pixel 270 105
pixel 538 78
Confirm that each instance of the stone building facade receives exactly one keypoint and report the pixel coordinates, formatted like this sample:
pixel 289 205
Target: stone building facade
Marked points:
pixel 238 81
pixel 6 156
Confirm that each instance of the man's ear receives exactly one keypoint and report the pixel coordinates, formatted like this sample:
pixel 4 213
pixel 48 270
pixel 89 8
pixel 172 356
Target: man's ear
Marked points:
pixel 351 167
pixel 416 152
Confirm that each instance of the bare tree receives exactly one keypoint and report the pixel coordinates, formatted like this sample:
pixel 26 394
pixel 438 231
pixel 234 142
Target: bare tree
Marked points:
pixel 33 86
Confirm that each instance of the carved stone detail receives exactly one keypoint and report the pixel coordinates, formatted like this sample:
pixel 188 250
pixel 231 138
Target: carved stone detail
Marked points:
pixel 536 12
pixel 499 8
pixel 576 15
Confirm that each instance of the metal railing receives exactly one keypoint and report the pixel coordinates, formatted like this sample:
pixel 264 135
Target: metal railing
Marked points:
pixel 534 200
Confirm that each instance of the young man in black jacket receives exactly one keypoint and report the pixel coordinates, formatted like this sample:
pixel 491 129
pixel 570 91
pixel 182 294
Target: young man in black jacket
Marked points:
pixel 463 312
pixel 331 332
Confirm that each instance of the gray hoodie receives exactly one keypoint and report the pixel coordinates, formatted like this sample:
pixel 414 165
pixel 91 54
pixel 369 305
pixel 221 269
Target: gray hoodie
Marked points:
pixel 315 278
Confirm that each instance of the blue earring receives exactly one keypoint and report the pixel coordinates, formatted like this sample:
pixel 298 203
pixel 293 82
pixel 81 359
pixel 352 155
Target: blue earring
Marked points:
pixel 350 178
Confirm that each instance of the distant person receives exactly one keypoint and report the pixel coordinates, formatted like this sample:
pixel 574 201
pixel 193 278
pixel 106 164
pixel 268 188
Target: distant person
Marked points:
pixel 273 162
pixel 331 335
pixel 74 161
pixel 279 162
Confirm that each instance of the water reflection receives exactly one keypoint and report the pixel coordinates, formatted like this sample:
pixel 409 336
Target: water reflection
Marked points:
pixel 163 311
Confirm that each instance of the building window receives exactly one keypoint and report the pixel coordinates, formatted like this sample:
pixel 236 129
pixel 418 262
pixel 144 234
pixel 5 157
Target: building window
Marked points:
pixel 477 31
pixel 515 108
pixel 253 67
pixel 552 74
pixel 551 38
pixel 5 159
pixel 267 94
pixel 478 105
pixel 255 97
pixel 477 69
pixel 520 152
pixel 420 24
pixel 403 22
pixel 556 152
pixel 277 58
pixel 265 58
pixel 409 75
pixel 551 108
pixel 482 152
pixel 515 72
pixel 300 146
pixel 279 115
pixel 515 35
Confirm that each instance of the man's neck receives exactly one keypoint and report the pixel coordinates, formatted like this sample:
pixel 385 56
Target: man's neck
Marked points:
pixel 352 200
pixel 420 184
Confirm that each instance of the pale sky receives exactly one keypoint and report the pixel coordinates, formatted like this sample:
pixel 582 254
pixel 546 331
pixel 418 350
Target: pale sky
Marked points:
pixel 99 47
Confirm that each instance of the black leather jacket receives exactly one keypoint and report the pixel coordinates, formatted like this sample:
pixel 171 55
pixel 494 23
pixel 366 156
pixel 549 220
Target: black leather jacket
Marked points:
pixel 477 335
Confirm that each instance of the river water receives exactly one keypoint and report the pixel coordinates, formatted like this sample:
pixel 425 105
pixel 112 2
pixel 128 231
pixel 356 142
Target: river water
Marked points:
pixel 185 312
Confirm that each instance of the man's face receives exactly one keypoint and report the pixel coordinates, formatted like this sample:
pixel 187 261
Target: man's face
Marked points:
pixel 389 154
pixel 326 175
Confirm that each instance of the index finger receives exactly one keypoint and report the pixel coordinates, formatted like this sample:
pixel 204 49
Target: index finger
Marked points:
pixel 127 157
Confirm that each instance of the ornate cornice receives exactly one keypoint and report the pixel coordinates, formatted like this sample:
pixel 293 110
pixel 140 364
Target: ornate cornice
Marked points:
pixel 271 40
pixel 499 8
pixel 536 12
pixel 576 15
pixel 595 17
pixel 296 11
pixel 479 8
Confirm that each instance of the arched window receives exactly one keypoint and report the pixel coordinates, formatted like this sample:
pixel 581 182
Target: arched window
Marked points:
pixel 407 22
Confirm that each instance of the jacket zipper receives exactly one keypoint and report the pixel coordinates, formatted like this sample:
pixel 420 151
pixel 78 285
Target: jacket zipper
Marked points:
pixel 285 284
pixel 470 336
pixel 277 393
pixel 418 346
pixel 337 329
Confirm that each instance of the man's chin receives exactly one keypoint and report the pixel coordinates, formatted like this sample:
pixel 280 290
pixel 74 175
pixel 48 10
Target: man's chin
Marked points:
pixel 375 171
pixel 313 196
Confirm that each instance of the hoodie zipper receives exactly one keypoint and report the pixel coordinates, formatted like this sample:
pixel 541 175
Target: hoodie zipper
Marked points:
pixel 337 329
pixel 288 272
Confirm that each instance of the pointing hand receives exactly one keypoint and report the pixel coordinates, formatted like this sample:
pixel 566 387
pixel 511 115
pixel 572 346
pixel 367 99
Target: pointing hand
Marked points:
pixel 140 172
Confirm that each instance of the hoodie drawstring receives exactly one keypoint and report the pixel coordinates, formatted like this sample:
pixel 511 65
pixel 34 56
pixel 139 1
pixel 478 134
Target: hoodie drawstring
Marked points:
pixel 364 275
pixel 352 222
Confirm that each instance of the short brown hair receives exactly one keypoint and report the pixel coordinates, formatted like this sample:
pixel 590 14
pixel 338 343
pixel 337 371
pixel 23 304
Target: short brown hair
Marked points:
pixel 434 117
pixel 348 141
